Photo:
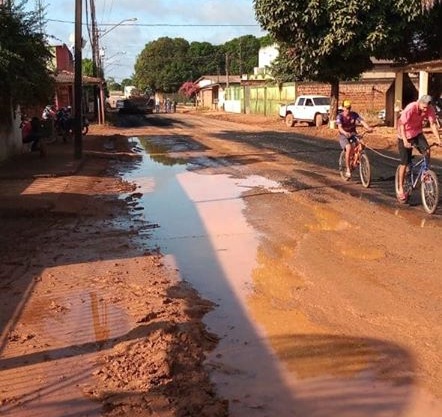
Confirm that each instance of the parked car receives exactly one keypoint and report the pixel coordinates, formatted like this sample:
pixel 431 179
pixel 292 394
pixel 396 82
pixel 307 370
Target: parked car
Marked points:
pixel 313 109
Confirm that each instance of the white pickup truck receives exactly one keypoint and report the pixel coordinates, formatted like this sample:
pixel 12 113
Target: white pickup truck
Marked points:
pixel 310 108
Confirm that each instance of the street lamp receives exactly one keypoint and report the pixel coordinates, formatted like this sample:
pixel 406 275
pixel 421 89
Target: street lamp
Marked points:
pixel 98 63
pixel 132 19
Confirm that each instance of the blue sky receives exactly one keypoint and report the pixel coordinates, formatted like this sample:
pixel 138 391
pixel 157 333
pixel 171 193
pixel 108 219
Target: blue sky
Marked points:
pixel 155 18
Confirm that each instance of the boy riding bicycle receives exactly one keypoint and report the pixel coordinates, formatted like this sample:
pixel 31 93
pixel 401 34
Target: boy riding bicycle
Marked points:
pixel 410 133
pixel 347 121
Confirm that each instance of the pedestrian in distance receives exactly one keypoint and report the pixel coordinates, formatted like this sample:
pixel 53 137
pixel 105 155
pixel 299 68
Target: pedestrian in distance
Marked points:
pixel 410 133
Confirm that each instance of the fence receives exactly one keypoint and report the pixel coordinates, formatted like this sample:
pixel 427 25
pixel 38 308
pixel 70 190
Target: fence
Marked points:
pixel 367 96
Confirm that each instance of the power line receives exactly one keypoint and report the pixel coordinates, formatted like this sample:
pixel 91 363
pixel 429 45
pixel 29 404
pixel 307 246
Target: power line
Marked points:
pixel 166 24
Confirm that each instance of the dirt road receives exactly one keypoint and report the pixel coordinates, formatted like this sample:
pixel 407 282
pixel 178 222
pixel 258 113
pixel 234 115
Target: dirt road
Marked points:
pixel 324 301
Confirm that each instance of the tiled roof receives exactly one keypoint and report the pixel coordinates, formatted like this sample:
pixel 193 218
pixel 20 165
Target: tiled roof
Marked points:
pixel 66 77
pixel 220 79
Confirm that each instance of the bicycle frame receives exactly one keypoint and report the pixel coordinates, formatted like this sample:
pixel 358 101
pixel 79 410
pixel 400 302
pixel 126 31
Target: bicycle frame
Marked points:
pixel 358 149
pixel 419 172
pixel 418 169
pixel 358 159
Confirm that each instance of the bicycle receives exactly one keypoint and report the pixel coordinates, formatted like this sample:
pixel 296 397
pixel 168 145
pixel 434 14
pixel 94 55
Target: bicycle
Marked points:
pixel 420 172
pixel 358 158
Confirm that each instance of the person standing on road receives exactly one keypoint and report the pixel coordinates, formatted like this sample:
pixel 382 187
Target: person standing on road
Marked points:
pixel 410 133
pixel 347 121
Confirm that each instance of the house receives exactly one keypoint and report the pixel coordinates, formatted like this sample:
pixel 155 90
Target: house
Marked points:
pixel 212 89
pixel 63 68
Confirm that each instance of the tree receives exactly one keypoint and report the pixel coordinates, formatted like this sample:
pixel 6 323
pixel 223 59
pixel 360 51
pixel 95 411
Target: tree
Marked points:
pixel 189 89
pixel 163 65
pixel 329 41
pixel 127 81
pixel 243 54
pixel 24 61
pixel 205 58
pixel 87 67
pixel 112 85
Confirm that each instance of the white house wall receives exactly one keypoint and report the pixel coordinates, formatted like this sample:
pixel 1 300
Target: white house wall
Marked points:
pixel 267 55
pixel 10 139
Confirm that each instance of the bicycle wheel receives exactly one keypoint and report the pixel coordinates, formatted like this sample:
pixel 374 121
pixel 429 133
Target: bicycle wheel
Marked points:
pixel 429 191
pixel 365 170
pixel 342 166
pixel 408 187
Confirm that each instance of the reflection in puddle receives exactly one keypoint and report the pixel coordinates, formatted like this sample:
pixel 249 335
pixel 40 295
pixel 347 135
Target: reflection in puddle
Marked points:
pixel 91 318
pixel 271 359
pixel 420 220
pixel 99 317
pixel 327 219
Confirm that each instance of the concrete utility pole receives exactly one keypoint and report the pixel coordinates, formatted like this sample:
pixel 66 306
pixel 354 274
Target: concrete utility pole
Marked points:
pixel 95 43
pixel 227 70
pixel 78 85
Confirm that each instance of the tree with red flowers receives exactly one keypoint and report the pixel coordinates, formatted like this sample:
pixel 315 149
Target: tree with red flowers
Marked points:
pixel 189 89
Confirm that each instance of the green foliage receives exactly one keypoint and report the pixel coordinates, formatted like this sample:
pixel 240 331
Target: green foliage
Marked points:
pixel 333 40
pixel 87 67
pixel 266 40
pixel 126 82
pixel 425 34
pixel 205 58
pixel 24 60
pixel 165 64
pixel 112 85
pixel 243 54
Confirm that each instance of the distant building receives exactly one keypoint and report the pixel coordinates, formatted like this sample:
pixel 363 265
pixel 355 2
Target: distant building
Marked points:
pixel 212 89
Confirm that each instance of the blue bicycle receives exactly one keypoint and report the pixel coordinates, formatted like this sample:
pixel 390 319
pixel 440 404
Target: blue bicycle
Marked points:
pixel 420 172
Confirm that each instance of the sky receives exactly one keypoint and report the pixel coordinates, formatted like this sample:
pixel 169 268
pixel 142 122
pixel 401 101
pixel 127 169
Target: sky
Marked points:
pixel 228 19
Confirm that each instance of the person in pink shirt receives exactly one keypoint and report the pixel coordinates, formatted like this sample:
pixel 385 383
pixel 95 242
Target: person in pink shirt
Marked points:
pixel 410 133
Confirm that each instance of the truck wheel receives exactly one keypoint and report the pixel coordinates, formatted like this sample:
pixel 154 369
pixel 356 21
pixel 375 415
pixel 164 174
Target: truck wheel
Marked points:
pixel 289 120
pixel 318 120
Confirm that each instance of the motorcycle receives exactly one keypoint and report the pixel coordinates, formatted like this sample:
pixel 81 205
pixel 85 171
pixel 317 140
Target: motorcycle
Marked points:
pixel 64 123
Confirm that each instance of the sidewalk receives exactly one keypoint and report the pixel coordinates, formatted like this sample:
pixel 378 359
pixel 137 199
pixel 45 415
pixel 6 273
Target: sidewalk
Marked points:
pixel 30 183
pixel 59 161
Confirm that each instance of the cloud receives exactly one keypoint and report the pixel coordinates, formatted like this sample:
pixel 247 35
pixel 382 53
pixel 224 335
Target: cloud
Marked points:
pixel 173 13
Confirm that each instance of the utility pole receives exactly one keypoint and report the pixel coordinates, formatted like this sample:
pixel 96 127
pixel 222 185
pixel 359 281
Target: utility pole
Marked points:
pixel 95 44
pixel 96 62
pixel 240 58
pixel 39 9
pixel 227 70
pixel 78 85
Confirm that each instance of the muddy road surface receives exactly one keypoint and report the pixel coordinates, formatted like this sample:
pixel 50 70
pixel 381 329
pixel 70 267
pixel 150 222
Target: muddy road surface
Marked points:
pixel 223 268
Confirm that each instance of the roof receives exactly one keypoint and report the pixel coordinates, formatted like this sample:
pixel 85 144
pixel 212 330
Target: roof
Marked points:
pixel 429 66
pixel 220 79
pixel 66 77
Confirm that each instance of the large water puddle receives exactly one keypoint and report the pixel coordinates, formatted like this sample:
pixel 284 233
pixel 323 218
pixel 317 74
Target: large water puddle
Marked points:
pixel 271 361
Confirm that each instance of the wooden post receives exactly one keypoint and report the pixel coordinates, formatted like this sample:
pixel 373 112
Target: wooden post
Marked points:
pixel 78 87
